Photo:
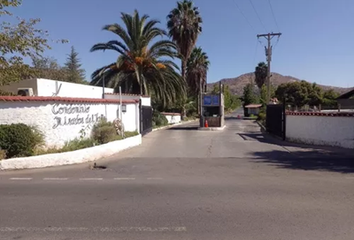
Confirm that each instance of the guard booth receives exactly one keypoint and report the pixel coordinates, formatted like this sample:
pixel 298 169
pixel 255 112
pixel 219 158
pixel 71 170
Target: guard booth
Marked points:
pixel 212 110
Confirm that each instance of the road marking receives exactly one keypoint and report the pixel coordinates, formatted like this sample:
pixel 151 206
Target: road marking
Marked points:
pixel 154 178
pixel 350 178
pixel 55 179
pixel 21 179
pixel 94 229
pixel 91 179
pixel 124 179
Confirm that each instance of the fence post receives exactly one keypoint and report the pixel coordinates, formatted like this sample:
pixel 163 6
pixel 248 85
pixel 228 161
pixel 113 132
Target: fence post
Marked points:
pixel 284 119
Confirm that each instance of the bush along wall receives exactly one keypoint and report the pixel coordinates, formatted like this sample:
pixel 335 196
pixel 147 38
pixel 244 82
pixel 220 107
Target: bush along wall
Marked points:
pixel 19 140
pixel 159 120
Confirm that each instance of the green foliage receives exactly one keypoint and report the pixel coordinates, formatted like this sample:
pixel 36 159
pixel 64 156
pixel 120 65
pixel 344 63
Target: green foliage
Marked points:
pixel 197 68
pixel 103 132
pixel 19 41
pixel 73 68
pixel 303 93
pixel 264 93
pixel 158 119
pixel 184 24
pixel 261 74
pixel 262 116
pixel 19 140
pixel 231 101
pixel 49 68
pixel 329 98
pixel 144 64
pixel 248 95
pixel 77 144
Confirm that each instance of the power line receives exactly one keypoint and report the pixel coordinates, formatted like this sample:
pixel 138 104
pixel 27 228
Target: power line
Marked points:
pixel 275 20
pixel 257 15
pixel 244 15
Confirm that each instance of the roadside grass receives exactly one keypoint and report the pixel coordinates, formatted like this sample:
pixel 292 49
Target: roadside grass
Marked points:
pixel 78 143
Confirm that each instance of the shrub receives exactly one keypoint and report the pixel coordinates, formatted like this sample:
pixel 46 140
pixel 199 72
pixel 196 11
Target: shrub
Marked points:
pixel 103 132
pixel 158 119
pixel 261 116
pixel 19 140
pixel 77 144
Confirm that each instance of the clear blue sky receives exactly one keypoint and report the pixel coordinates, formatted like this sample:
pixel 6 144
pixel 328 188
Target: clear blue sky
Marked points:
pixel 316 45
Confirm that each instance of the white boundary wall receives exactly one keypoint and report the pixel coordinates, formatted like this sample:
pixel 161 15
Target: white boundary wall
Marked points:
pixel 51 88
pixel 64 119
pixel 321 130
pixel 172 118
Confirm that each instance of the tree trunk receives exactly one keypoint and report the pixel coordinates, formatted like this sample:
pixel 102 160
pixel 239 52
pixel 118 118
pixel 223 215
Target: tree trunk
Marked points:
pixel 184 66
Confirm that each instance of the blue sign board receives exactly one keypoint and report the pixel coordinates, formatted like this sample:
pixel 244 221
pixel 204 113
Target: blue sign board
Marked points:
pixel 211 100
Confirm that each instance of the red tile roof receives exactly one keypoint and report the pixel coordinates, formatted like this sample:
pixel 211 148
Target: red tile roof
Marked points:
pixel 322 114
pixel 61 99
pixel 127 94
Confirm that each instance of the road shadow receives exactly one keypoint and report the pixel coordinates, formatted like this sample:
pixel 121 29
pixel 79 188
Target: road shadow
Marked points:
pixel 183 128
pixel 308 160
pixel 302 156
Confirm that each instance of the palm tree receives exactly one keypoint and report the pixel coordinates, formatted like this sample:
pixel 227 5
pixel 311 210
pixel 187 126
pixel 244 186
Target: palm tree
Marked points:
pixel 261 74
pixel 197 68
pixel 184 24
pixel 142 67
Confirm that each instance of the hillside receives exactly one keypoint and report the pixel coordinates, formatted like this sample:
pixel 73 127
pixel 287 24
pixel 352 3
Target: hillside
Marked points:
pixel 237 84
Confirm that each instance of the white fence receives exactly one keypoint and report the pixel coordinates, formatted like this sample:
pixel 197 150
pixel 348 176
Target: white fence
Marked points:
pixel 332 129
pixel 64 119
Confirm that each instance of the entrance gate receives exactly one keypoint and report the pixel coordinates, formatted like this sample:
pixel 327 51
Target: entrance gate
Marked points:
pixel 275 121
pixel 145 119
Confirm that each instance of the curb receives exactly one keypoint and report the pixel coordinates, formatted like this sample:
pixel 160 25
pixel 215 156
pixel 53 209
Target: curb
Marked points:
pixel 74 157
pixel 173 125
pixel 262 127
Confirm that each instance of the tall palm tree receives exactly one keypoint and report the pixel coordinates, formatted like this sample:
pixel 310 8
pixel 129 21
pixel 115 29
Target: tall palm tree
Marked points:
pixel 197 68
pixel 142 67
pixel 184 24
pixel 261 74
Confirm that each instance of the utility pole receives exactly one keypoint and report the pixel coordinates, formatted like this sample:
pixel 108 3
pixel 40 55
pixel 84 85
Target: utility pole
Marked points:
pixel 268 50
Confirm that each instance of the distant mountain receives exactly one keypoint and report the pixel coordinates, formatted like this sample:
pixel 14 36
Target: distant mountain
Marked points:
pixel 237 84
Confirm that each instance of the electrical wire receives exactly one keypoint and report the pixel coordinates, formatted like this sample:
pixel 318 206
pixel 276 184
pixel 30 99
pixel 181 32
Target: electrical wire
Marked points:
pixel 239 9
pixel 257 15
pixel 275 20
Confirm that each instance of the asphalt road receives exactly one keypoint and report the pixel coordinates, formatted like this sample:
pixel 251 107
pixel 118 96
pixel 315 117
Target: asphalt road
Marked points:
pixel 188 184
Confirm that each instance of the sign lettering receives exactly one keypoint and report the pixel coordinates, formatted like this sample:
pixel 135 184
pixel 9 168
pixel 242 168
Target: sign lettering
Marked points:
pixel 69 115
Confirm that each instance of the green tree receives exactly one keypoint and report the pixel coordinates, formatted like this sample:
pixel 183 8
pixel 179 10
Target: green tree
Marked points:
pixel 263 94
pixel 144 64
pixel 300 93
pixel 197 68
pixel 184 24
pixel 73 68
pixel 261 74
pixel 248 95
pixel 329 98
pixel 315 95
pixel 231 101
pixel 17 42
pixel 48 67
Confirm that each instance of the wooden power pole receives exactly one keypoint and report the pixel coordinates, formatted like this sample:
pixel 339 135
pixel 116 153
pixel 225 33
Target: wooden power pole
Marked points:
pixel 268 49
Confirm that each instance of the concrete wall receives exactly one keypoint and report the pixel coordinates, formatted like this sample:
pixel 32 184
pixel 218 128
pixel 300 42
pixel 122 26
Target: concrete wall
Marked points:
pixel 50 88
pixel 61 120
pixel 321 130
pixel 172 118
